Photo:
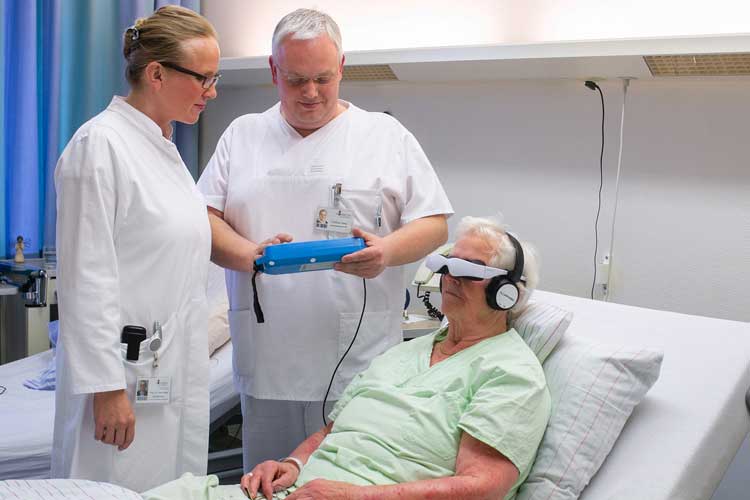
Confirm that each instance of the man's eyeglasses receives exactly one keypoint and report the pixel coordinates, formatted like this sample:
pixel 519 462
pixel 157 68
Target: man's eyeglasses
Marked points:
pixel 206 81
pixel 294 80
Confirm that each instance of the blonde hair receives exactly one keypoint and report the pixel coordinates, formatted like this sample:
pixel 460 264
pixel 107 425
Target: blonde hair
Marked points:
pixel 159 37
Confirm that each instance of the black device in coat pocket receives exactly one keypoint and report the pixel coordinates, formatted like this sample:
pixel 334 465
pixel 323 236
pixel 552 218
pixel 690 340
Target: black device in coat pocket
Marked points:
pixel 133 335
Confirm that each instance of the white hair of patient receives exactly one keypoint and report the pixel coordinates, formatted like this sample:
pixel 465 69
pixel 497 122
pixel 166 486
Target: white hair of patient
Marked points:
pixel 494 232
pixel 306 24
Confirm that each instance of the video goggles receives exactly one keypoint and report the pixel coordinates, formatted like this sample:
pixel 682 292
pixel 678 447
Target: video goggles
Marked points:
pixel 460 268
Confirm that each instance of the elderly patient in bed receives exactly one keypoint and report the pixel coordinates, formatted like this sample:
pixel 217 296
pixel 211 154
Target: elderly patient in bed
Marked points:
pixel 457 414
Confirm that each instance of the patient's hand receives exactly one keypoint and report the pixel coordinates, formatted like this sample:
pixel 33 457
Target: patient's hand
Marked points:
pixel 268 477
pixel 324 488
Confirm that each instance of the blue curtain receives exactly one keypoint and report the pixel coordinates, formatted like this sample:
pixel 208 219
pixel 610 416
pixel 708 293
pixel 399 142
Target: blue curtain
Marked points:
pixel 2 124
pixel 56 72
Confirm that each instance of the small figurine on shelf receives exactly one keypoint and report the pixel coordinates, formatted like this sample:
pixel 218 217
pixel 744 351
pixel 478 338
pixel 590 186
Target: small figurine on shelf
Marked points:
pixel 19 259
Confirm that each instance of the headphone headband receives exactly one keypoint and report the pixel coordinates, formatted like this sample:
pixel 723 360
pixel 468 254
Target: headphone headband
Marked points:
pixel 515 274
pixel 502 292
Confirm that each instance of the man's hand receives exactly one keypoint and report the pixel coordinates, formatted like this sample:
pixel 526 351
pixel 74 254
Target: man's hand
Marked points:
pixel 368 262
pixel 268 477
pixel 114 418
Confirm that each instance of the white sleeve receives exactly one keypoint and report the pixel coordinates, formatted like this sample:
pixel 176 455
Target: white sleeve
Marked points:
pixel 424 195
pixel 213 181
pixel 88 281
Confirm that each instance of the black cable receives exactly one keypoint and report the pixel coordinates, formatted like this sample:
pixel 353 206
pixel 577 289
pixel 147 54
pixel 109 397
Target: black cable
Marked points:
pixel 364 303
pixel 593 86
pixel 432 311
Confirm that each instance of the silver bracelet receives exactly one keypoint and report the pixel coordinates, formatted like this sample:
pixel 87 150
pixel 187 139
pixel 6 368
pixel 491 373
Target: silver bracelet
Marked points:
pixel 296 461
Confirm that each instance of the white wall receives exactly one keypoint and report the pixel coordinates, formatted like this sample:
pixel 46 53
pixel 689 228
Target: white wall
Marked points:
pixel 531 150
pixel 246 26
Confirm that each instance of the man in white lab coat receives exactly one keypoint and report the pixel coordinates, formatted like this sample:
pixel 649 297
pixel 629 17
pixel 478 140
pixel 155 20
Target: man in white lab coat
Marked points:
pixel 272 174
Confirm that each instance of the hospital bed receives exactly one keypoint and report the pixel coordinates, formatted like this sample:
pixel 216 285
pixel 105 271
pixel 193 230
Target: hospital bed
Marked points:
pixel 680 439
pixel 27 416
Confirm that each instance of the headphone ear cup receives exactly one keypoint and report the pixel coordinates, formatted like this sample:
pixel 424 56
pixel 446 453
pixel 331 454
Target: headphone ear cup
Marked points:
pixel 507 296
pixel 501 294
pixel 490 293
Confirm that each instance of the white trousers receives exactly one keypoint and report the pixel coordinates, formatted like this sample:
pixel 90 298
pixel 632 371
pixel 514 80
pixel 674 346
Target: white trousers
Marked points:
pixel 272 429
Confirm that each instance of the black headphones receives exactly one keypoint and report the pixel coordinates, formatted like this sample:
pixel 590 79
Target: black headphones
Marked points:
pixel 502 292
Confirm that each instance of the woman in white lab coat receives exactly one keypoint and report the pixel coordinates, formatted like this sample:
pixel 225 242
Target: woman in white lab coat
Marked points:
pixel 133 249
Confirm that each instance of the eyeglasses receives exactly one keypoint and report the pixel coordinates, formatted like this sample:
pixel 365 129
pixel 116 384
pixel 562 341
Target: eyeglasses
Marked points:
pixel 460 268
pixel 294 80
pixel 206 81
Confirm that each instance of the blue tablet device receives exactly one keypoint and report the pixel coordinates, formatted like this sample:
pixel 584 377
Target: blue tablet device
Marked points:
pixel 307 255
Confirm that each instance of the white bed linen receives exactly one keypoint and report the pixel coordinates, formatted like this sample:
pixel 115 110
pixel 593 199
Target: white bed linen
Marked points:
pixel 67 489
pixel 680 440
pixel 27 416
pixel 26 420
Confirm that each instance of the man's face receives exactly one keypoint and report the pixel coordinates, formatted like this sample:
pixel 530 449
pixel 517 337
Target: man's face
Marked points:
pixel 307 74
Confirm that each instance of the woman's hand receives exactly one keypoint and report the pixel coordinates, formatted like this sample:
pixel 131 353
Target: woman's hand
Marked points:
pixel 324 488
pixel 274 240
pixel 268 477
pixel 114 420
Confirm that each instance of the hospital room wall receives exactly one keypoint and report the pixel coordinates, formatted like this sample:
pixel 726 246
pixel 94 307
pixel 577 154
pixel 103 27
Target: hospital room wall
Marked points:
pixel 530 149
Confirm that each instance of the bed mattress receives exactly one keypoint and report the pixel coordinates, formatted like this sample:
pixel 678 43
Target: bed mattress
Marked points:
pixel 680 440
pixel 27 416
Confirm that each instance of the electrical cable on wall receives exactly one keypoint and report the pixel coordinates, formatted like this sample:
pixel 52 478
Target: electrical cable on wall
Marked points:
pixel 625 85
pixel 593 86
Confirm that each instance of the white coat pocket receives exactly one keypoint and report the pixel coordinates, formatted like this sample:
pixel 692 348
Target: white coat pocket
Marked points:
pixel 240 322
pixel 156 425
pixel 367 207
pixel 375 337
pixel 145 366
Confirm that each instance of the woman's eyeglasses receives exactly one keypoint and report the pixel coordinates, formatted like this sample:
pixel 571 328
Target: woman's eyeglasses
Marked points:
pixel 206 81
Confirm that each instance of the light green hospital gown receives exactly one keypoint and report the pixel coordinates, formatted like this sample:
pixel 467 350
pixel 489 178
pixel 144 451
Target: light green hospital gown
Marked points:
pixel 401 419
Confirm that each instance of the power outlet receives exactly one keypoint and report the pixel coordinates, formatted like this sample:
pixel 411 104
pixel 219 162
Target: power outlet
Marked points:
pixel 602 271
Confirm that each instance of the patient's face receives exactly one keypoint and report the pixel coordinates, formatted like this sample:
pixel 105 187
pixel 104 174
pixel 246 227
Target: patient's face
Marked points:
pixel 461 297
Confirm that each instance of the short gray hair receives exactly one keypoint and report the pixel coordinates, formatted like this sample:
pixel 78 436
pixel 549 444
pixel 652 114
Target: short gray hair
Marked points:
pixel 494 232
pixel 306 24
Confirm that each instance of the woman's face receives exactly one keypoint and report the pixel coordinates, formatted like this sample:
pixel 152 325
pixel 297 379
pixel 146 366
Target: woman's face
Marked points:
pixel 185 97
pixel 463 298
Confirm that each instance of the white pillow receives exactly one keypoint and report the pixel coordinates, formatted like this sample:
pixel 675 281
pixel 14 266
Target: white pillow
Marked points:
pixel 542 326
pixel 594 389
pixel 218 327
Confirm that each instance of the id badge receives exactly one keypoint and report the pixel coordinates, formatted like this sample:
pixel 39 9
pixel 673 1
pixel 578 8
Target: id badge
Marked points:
pixel 153 390
pixel 334 220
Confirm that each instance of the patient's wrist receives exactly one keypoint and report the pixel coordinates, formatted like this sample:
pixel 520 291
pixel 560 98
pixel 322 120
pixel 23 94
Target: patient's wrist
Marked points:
pixel 295 461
